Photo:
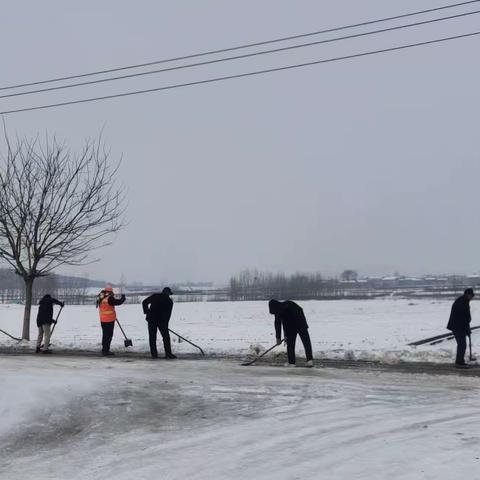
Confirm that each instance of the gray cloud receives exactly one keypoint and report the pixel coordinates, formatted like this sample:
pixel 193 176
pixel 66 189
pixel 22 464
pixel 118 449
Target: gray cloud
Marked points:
pixel 370 164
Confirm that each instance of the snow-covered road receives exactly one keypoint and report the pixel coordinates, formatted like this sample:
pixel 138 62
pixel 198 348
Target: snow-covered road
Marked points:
pixel 95 418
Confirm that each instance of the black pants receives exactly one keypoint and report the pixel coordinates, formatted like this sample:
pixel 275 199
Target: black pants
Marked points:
pixel 107 335
pixel 152 337
pixel 307 344
pixel 461 339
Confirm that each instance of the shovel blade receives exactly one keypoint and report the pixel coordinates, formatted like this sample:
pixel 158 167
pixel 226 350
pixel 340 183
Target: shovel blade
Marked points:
pixel 128 343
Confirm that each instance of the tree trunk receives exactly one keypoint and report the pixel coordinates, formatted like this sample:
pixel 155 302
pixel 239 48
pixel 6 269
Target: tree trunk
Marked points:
pixel 28 308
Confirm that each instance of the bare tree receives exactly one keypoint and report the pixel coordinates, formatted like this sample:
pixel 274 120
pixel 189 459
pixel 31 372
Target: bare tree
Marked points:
pixel 349 276
pixel 55 207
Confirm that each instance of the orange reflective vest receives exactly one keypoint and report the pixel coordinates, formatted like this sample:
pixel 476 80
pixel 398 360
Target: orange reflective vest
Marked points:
pixel 107 311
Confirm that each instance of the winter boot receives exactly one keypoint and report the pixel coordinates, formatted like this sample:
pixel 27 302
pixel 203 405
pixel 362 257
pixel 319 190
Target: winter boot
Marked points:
pixel 309 363
pixel 289 365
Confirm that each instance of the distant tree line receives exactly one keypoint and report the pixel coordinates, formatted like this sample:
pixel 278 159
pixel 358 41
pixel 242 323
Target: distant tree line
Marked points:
pixel 12 287
pixel 72 290
pixel 255 285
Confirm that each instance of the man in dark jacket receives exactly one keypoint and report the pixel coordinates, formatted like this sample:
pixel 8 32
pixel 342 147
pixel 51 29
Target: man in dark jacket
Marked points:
pixel 290 315
pixel 158 309
pixel 45 320
pixel 459 324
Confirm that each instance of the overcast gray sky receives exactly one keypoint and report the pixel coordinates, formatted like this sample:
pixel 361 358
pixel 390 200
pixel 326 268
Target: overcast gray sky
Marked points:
pixel 371 164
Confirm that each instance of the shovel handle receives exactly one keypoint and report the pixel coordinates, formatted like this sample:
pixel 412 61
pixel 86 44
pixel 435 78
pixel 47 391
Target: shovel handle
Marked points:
pixel 121 328
pixel 188 341
pixel 11 336
pixel 56 320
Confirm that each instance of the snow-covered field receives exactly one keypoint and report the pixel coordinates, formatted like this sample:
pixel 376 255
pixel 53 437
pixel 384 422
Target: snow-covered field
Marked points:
pixel 367 330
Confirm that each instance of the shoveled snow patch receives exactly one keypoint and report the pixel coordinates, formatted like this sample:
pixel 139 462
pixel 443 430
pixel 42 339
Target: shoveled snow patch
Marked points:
pixel 256 349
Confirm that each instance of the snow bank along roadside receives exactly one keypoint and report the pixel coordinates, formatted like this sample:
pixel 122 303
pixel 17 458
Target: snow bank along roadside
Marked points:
pixel 364 330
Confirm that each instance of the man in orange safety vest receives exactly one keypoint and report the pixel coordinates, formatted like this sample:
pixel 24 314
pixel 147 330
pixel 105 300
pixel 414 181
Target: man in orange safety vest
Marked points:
pixel 106 303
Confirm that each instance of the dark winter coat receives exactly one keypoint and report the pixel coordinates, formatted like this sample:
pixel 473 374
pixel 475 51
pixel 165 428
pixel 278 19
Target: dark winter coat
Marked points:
pixel 111 300
pixel 291 317
pixel 460 317
pixel 158 308
pixel 45 310
pixel 116 301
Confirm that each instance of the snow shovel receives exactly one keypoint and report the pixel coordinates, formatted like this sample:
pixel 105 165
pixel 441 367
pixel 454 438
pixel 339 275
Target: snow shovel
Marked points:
pixel 437 338
pixel 56 320
pixel 11 336
pixel 188 341
pixel 260 356
pixel 127 342
pixel 472 358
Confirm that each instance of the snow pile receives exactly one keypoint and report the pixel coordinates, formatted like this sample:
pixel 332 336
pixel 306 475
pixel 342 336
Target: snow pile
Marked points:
pixel 255 350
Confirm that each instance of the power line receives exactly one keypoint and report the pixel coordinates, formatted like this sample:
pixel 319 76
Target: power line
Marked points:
pixel 238 47
pixel 237 57
pixel 242 75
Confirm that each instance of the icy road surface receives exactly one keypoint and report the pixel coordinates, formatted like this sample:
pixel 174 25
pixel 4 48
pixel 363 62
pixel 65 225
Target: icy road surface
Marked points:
pixel 95 418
